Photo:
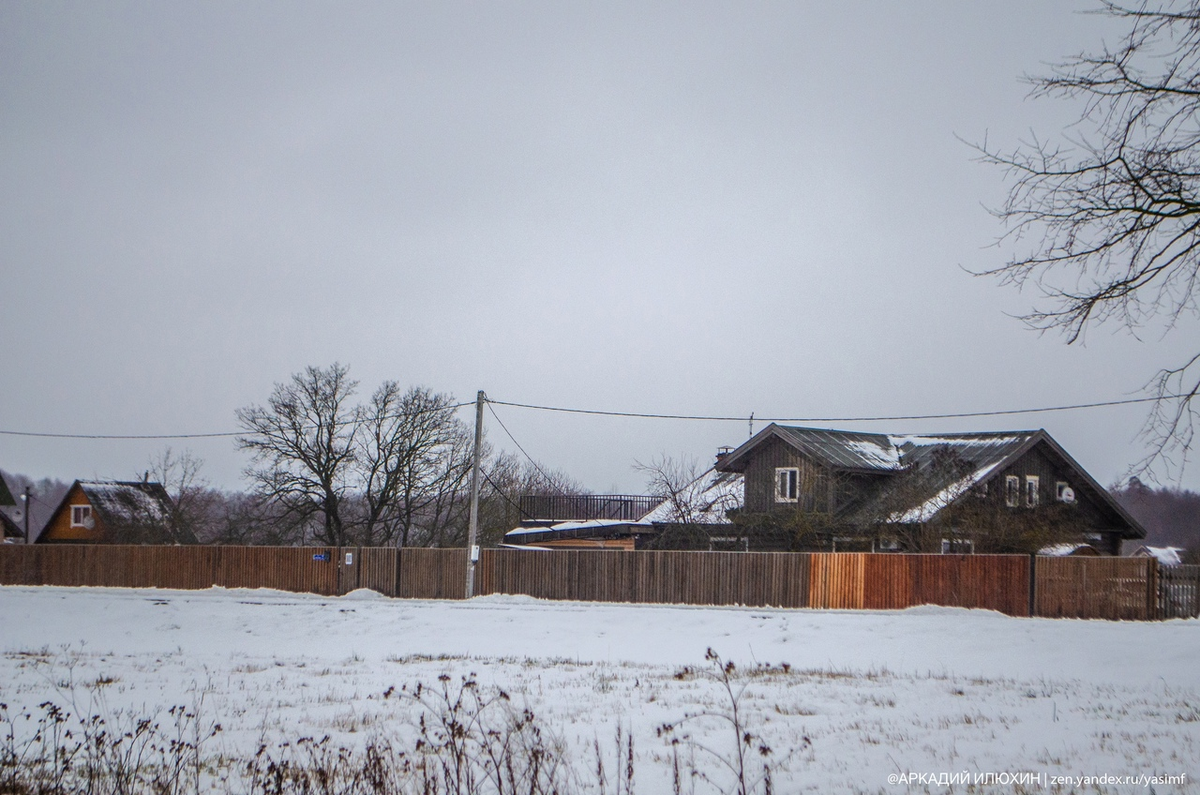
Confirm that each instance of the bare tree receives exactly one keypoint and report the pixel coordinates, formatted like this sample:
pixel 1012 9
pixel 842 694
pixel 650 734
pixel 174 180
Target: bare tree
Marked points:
pixel 1106 220
pixel 303 447
pixel 412 453
pixel 392 471
pixel 195 504
pixel 680 484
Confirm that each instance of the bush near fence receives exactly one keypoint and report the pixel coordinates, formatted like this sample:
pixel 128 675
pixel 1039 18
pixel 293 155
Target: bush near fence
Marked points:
pixel 1017 585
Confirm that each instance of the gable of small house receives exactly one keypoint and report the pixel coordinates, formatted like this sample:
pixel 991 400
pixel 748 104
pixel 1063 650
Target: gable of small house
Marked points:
pixel 114 512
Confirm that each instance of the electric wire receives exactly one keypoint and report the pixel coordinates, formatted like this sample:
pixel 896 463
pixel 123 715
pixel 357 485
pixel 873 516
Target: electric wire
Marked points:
pixel 500 491
pixel 641 415
pixel 898 417
pixel 216 435
pixel 552 481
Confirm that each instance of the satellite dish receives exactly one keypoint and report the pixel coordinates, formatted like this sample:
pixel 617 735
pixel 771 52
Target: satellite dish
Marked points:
pixel 1068 494
pixel 16 515
pixel 90 523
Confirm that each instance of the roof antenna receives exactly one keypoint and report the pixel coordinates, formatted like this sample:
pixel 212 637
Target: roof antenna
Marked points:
pixel 752 423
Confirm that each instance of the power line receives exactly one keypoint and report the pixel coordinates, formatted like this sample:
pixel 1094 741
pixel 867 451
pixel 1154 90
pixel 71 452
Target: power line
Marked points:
pixel 637 415
pixel 898 417
pixel 506 498
pixel 553 482
pixel 216 435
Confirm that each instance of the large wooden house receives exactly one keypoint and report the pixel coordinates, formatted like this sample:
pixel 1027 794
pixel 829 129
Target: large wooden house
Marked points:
pixel 114 512
pixel 1013 491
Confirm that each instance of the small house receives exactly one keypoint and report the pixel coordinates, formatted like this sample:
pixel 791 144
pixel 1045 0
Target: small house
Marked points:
pixel 115 512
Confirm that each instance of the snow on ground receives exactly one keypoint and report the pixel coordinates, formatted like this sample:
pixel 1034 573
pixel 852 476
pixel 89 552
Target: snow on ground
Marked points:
pixel 864 695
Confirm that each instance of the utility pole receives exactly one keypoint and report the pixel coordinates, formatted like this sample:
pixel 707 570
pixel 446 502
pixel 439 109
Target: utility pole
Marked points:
pixel 26 496
pixel 473 527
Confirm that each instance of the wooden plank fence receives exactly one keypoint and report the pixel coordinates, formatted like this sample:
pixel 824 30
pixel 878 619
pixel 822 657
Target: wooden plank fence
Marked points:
pixel 1018 585
pixel 1179 592
pixel 1114 588
pixel 301 569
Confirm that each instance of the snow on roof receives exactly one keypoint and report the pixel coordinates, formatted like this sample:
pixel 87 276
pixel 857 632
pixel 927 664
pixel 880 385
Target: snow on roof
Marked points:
pixel 1166 556
pixel 713 494
pixel 928 509
pixel 563 527
pixel 128 502
pixel 1062 550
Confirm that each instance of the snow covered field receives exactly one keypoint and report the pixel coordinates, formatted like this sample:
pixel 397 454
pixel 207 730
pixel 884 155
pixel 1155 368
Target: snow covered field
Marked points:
pixel 845 699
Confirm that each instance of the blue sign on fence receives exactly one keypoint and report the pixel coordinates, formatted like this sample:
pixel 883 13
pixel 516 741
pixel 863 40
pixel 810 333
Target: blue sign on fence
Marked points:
pixel 322 556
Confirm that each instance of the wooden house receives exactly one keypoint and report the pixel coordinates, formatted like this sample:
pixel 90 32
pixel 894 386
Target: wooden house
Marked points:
pixel 114 512
pixel 1013 491
pixel 10 532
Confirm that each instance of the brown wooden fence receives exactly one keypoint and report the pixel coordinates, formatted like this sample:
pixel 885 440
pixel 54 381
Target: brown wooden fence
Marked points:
pixel 1114 588
pixel 1117 588
pixel 304 569
pixel 1179 592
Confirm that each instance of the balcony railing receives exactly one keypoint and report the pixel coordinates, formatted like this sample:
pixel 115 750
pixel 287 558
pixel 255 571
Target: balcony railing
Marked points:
pixel 623 507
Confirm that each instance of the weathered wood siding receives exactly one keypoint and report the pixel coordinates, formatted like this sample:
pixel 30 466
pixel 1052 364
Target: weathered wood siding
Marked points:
pixel 1049 472
pixel 816 487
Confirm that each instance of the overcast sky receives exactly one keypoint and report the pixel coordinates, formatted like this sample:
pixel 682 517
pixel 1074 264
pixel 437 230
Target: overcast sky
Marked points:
pixel 682 208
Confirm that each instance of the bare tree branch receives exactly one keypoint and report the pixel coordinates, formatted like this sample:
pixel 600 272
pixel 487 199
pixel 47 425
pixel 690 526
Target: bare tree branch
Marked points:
pixel 1106 223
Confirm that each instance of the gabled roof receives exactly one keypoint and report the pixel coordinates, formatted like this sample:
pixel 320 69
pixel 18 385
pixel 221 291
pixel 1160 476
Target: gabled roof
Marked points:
pixel 855 451
pixel 11 529
pixel 6 497
pixel 950 464
pixel 141 505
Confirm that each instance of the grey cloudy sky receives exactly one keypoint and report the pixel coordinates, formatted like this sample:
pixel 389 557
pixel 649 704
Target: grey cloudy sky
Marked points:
pixel 660 207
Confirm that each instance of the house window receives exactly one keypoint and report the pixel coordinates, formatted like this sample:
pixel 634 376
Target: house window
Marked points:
pixel 958 546
pixel 81 515
pixel 1063 491
pixel 1031 491
pixel 787 484
pixel 1012 491
pixel 728 544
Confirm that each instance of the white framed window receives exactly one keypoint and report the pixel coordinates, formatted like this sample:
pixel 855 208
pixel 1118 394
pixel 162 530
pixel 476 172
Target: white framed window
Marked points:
pixel 1012 491
pixel 728 544
pixel 787 484
pixel 958 546
pixel 1031 491
pixel 81 516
